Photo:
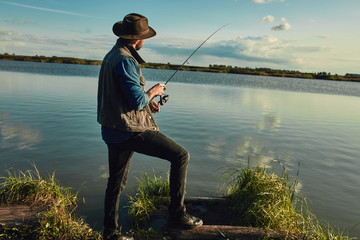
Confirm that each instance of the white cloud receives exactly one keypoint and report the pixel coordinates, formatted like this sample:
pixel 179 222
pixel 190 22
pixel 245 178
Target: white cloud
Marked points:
pixel 283 20
pixel 5 32
pixel 12 43
pixel 265 1
pixel 18 135
pixel 283 26
pixel 251 51
pixel 259 48
pixel 78 45
pixel 268 18
pixel 323 36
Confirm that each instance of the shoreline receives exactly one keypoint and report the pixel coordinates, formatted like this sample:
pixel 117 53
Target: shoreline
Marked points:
pixel 210 68
pixel 37 207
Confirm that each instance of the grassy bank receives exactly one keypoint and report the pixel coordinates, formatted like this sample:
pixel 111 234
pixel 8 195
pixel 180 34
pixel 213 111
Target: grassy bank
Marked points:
pixel 58 219
pixel 256 197
pixel 260 198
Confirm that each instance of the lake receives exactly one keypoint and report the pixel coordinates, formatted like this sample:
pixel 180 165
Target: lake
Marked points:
pixel 48 117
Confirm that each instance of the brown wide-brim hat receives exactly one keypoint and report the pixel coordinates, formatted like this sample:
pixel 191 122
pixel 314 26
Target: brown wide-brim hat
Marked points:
pixel 134 26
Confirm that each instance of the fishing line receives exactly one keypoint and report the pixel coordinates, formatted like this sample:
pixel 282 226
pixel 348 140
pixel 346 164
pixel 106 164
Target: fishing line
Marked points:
pixel 195 52
pixel 164 98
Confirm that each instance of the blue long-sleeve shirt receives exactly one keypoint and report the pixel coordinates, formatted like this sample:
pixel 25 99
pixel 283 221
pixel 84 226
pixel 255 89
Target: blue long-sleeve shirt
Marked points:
pixel 127 73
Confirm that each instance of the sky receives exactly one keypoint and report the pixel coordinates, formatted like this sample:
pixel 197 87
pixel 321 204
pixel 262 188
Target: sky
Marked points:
pixel 301 35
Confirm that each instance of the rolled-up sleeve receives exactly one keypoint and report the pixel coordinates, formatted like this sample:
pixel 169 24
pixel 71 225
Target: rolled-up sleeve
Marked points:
pixel 128 75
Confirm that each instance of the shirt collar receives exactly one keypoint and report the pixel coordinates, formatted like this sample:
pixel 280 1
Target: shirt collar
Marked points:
pixel 133 52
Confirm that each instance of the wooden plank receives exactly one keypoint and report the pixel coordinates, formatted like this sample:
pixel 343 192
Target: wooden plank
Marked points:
pixel 217 223
pixel 15 215
pixel 212 232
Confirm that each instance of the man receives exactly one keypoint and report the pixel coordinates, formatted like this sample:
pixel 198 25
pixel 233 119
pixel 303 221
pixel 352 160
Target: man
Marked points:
pixel 125 113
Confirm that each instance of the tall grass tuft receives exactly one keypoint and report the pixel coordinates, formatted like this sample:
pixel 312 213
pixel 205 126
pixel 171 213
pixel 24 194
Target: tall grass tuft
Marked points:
pixel 57 220
pixel 31 188
pixel 153 193
pixel 260 198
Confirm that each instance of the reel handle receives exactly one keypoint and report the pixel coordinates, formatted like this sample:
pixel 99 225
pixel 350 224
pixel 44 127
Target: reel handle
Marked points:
pixel 163 99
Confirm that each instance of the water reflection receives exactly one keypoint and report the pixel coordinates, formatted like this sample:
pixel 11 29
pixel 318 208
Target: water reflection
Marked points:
pixel 242 150
pixel 268 123
pixel 103 169
pixel 18 135
pixel 239 148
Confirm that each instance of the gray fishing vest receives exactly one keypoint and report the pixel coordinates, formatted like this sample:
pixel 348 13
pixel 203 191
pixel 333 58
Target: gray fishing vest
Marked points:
pixel 113 110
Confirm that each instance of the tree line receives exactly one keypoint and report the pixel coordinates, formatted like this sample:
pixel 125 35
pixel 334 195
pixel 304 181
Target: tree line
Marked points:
pixel 211 68
pixel 257 71
pixel 53 59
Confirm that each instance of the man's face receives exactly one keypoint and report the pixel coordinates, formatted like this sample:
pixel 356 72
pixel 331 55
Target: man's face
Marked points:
pixel 139 44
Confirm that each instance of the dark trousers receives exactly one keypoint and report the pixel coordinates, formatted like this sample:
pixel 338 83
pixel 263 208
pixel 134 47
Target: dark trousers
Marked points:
pixel 153 144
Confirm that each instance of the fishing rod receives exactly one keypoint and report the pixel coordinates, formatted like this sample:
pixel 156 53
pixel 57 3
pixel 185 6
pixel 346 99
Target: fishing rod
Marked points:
pixel 165 98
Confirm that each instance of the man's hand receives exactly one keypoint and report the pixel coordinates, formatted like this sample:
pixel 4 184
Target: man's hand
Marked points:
pixel 154 107
pixel 156 90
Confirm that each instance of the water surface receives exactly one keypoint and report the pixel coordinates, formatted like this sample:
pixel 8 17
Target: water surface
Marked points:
pixel 48 117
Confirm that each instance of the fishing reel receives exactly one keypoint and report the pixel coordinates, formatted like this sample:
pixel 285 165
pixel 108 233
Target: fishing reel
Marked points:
pixel 163 99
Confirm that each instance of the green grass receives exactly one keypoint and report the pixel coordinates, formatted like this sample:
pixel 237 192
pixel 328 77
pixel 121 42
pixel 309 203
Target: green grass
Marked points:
pixel 30 188
pixel 57 221
pixel 153 193
pixel 257 198
pixel 260 198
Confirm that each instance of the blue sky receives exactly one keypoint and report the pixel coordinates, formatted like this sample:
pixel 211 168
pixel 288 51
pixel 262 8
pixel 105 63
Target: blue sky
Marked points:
pixel 304 35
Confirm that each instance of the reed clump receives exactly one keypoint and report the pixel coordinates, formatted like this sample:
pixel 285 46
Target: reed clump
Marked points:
pixel 259 198
pixel 56 221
